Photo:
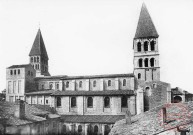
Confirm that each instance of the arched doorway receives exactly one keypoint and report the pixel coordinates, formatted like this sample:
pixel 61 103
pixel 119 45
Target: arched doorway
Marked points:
pixel 177 99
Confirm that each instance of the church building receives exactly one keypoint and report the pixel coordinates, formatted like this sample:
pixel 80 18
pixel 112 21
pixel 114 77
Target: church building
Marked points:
pixel 92 104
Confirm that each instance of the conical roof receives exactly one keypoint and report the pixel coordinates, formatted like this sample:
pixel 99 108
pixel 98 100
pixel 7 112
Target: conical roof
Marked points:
pixel 145 27
pixel 38 47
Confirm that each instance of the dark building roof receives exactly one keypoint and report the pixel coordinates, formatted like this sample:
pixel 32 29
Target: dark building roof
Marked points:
pixel 38 47
pixel 110 119
pixel 93 93
pixel 41 92
pixel 32 114
pixel 145 27
pixel 20 66
pixel 65 77
pixel 176 91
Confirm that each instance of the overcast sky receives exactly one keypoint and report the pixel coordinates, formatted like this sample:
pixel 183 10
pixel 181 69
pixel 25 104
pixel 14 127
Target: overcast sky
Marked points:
pixel 88 37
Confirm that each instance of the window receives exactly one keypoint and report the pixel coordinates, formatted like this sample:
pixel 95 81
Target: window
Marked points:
pixel 57 86
pixel 58 101
pixel 109 82
pixel 51 85
pixel 146 62
pixel 37 59
pixel 11 72
pixel 94 83
pixel 9 87
pixel 14 72
pixel 42 86
pixel 19 86
pixel 46 101
pixel 152 62
pixel 90 102
pixel 139 46
pixel 139 76
pixel 79 128
pixel 154 85
pixel 34 59
pixel 124 101
pixel 38 127
pixel 107 102
pixel 145 46
pixel 18 71
pixel 80 84
pixel 152 45
pixel 140 62
pixel 96 129
pixel 14 86
pixel 64 129
pixel 28 73
pixel 31 73
pixel 67 84
pixel 124 82
pixel 107 130
pixel 36 67
pixel 31 59
pixel 73 102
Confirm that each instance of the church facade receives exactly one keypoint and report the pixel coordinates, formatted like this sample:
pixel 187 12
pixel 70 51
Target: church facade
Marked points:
pixel 92 104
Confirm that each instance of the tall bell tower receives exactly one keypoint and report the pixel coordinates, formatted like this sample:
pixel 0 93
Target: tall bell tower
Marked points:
pixel 145 46
pixel 39 57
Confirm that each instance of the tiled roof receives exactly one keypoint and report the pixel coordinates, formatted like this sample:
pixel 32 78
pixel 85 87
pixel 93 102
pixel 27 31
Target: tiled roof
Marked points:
pixel 145 27
pixel 93 93
pixel 20 66
pixel 111 119
pixel 65 77
pixel 42 92
pixel 7 110
pixel 38 47
pixel 150 122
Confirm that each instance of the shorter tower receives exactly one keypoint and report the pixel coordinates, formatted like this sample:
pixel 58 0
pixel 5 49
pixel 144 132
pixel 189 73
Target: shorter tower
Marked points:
pixel 145 45
pixel 39 57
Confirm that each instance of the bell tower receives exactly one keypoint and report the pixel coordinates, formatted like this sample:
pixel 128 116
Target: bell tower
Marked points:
pixel 38 56
pixel 145 46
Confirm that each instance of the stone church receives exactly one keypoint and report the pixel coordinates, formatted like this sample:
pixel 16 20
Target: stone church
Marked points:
pixel 92 104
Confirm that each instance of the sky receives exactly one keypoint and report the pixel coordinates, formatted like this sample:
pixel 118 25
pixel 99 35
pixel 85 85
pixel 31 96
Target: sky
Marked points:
pixel 91 37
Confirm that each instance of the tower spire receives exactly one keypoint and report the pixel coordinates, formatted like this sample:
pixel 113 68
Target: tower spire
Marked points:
pixel 145 27
pixel 38 56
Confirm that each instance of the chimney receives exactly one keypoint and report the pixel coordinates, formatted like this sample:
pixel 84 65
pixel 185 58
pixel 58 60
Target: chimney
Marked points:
pixel 19 109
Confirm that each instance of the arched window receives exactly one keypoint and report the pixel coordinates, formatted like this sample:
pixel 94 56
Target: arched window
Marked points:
pixel 94 83
pixel 146 46
pixel 139 76
pixel 51 85
pixel 177 99
pixel 34 59
pixel 42 86
pixel 124 101
pixel 67 84
pixel 18 71
pixel 31 59
pixel 140 62
pixel 57 86
pixel 147 91
pixel 58 101
pixel 14 72
pixel 11 72
pixel 80 84
pixel 90 102
pixel 109 82
pixel 64 129
pixel 124 82
pixel 152 62
pixel 107 129
pixel 79 128
pixel 152 45
pixel 36 67
pixel 146 62
pixel 38 59
pixel 106 102
pixel 139 46
pixel 96 129
pixel 73 102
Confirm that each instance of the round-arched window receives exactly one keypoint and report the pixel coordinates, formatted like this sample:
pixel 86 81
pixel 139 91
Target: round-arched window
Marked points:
pixel 79 128
pixel 90 102
pixel 106 102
